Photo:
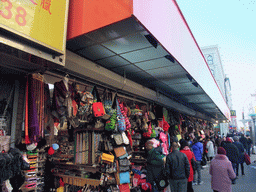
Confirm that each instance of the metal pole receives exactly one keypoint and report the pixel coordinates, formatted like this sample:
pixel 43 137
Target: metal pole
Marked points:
pixel 253 134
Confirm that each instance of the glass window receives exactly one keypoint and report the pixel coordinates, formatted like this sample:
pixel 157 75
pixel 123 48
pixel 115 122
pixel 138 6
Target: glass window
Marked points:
pixel 209 60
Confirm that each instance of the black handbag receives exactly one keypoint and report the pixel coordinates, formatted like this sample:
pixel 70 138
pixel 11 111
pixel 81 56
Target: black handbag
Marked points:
pixel 203 161
pixel 193 163
pixel 162 180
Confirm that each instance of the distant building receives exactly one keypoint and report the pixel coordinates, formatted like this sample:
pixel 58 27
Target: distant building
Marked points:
pixel 212 57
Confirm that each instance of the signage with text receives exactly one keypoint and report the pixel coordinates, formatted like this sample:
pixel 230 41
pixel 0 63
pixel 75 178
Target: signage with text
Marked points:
pixel 41 21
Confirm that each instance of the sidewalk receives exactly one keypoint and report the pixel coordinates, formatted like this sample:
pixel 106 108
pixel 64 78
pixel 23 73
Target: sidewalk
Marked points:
pixel 245 183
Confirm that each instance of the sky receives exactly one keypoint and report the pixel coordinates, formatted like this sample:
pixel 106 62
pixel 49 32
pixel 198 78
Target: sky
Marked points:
pixel 230 24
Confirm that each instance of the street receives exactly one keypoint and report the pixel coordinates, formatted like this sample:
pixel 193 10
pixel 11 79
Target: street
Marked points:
pixel 245 183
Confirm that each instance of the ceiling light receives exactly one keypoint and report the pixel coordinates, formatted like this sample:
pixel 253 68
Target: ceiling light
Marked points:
pixel 170 58
pixel 195 84
pixel 151 40
pixel 189 77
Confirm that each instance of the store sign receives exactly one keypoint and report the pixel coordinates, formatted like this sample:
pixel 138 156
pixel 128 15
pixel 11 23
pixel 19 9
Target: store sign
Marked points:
pixel 41 21
pixel 232 113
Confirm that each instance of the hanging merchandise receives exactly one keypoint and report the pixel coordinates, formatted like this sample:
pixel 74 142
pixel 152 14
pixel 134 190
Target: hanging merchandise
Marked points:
pixel 124 111
pixel 120 118
pixel 108 103
pixel 164 124
pixel 62 100
pixel 148 133
pixel 111 123
pixel 97 106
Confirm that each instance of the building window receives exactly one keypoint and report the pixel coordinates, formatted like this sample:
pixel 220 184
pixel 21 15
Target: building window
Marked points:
pixel 212 70
pixel 209 60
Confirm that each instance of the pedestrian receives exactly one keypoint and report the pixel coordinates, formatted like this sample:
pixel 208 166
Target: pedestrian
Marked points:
pixel 210 149
pixel 221 172
pixel 184 148
pixel 205 153
pixel 197 148
pixel 249 142
pixel 177 169
pixel 244 141
pixel 232 152
pixel 241 150
pixel 155 165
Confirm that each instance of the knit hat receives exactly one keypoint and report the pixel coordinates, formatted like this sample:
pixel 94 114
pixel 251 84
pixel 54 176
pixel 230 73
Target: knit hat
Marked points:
pixel 221 151
pixel 229 140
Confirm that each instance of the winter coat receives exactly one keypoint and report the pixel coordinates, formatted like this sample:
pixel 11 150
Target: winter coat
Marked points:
pixel 198 150
pixel 189 155
pixel 232 152
pixel 210 148
pixel 241 151
pixel 155 165
pixel 177 166
pixel 222 173
pixel 244 141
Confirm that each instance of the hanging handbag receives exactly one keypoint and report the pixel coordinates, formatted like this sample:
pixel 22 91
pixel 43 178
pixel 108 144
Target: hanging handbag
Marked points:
pixel 124 177
pixel 120 118
pixel 118 138
pixel 124 162
pixel 111 123
pixel 120 151
pixel 124 188
pixel 107 157
pixel 125 138
pixel 124 165
pixel 97 107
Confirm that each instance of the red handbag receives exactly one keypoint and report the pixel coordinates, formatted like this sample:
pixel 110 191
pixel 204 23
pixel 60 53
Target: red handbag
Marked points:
pixel 124 187
pixel 98 109
pixel 247 159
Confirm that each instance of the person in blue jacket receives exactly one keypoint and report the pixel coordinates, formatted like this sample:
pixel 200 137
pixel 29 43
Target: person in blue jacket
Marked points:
pixel 197 148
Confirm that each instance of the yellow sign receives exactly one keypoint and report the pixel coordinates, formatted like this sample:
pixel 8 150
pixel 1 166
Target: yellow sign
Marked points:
pixel 42 21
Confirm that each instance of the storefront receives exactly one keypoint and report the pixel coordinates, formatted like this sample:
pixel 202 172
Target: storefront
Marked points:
pixel 116 56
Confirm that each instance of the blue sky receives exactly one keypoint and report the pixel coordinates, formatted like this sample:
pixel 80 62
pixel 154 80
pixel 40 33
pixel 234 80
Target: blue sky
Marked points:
pixel 231 25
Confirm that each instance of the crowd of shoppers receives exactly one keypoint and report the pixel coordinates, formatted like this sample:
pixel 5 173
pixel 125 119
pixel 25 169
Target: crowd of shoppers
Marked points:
pixel 183 165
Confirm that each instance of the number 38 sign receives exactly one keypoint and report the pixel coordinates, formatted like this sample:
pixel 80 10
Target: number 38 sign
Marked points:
pixel 41 21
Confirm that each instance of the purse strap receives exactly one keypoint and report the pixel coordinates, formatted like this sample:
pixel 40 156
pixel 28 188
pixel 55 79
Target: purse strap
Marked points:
pixel 95 94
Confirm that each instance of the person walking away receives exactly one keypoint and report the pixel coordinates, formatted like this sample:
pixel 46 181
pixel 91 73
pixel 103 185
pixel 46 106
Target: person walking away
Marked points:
pixel 155 164
pixel 221 172
pixel 184 148
pixel 249 142
pixel 241 150
pixel 232 152
pixel 205 153
pixel 177 169
pixel 244 141
pixel 197 148
pixel 210 148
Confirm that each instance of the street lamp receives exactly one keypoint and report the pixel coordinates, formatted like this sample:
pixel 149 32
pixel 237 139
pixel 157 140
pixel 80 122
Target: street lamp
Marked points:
pixel 253 116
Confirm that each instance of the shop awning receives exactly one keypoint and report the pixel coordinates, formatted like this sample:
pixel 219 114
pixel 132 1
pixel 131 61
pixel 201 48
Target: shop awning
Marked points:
pixel 147 42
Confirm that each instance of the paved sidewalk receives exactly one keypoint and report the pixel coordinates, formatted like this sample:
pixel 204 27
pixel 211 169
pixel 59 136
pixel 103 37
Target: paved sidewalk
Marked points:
pixel 245 183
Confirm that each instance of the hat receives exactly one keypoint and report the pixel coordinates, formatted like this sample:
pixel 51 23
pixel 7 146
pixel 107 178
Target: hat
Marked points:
pixel 221 151
pixel 236 138
pixel 229 140
pixel 55 146
pixel 31 147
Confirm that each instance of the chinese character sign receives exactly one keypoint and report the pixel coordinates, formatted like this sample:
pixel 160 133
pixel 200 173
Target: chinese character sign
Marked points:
pixel 42 21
